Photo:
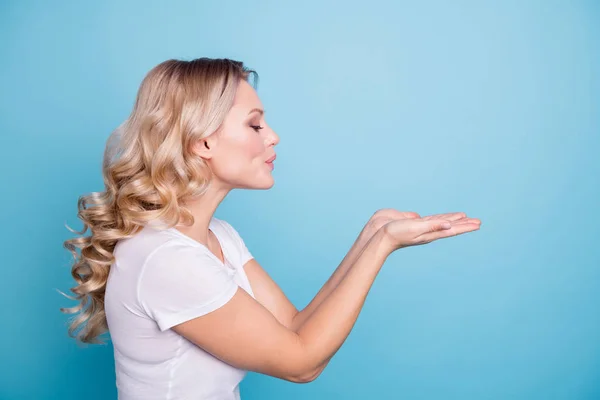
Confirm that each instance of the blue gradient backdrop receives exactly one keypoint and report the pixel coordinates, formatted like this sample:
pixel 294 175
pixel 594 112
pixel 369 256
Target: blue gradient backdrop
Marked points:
pixel 491 108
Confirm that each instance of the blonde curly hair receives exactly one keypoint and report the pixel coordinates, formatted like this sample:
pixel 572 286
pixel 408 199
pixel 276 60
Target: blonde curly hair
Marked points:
pixel 149 170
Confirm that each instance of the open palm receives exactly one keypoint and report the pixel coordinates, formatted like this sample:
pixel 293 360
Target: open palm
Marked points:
pixel 414 231
pixel 385 215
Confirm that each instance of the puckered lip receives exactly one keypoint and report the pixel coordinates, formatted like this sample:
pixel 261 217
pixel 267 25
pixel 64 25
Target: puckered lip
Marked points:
pixel 271 159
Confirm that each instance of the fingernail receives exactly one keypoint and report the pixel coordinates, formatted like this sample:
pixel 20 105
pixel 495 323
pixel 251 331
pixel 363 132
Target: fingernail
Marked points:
pixel 446 225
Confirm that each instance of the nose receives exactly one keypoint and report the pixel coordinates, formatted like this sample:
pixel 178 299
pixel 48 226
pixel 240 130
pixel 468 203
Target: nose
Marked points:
pixel 273 138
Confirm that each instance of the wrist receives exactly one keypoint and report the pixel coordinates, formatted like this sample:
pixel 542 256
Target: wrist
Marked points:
pixel 381 243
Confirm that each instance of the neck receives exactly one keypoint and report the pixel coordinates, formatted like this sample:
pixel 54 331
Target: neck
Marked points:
pixel 203 208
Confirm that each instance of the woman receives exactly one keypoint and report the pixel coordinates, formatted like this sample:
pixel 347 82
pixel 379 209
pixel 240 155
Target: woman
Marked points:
pixel 188 309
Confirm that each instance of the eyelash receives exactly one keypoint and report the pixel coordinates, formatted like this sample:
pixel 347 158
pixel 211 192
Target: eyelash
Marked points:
pixel 256 127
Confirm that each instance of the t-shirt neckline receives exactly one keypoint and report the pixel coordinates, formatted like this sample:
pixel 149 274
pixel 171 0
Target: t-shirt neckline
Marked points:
pixel 227 264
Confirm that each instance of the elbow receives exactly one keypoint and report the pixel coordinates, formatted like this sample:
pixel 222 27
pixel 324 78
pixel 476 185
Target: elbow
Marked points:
pixel 306 377
pixel 302 378
pixel 302 368
pixel 311 377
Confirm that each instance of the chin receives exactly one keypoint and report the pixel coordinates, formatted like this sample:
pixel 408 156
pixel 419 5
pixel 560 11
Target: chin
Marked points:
pixel 263 184
pixel 268 184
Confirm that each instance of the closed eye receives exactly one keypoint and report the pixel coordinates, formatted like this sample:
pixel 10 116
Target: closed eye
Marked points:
pixel 256 127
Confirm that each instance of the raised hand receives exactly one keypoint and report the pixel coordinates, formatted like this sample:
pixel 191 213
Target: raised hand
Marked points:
pixel 417 231
pixel 385 215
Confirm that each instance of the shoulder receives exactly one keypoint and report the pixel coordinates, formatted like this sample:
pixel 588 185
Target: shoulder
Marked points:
pixel 175 262
pixel 177 254
pixel 153 243
pixel 143 244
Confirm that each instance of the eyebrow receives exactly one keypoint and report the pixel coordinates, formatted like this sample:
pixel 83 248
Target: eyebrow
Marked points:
pixel 257 110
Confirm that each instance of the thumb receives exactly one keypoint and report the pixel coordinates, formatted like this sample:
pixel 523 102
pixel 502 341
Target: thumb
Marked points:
pixel 437 225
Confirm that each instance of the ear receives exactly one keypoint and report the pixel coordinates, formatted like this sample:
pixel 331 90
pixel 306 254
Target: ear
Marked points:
pixel 204 148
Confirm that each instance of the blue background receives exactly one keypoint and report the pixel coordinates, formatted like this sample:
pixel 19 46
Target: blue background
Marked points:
pixel 491 108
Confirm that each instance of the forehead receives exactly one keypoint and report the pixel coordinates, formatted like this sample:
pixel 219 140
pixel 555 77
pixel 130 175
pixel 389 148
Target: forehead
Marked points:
pixel 246 98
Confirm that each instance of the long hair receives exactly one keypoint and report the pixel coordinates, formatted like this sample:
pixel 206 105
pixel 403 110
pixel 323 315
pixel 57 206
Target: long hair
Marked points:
pixel 149 171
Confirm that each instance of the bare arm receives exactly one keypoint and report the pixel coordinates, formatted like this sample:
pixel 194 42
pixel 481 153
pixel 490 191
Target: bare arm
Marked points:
pixel 357 248
pixel 269 294
pixel 247 335
pixel 331 321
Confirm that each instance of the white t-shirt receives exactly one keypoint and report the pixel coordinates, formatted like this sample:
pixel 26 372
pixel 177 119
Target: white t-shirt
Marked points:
pixel 161 278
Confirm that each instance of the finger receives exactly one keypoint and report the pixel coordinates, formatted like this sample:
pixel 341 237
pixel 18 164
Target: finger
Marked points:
pixel 454 231
pixel 395 214
pixel 453 216
pixel 410 215
pixel 467 221
pixel 403 214
pixel 435 225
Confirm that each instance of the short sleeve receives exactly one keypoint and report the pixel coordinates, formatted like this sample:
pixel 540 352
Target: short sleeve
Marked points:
pixel 181 282
pixel 243 251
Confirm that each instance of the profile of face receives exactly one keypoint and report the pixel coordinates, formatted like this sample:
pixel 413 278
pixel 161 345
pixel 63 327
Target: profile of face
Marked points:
pixel 238 153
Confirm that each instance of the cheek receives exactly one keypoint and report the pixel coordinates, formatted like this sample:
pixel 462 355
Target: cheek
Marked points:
pixel 240 155
pixel 255 147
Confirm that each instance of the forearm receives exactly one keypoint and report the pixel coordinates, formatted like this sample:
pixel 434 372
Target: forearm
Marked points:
pixel 357 248
pixel 323 333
